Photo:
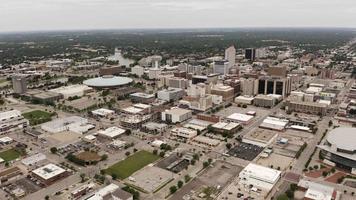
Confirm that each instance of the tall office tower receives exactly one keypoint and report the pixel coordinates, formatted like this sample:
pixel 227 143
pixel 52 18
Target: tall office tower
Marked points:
pixel 250 54
pixel 230 55
pixel 19 84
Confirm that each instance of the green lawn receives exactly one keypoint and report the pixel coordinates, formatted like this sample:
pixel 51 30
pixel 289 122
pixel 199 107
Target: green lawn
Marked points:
pixel 38 117
pixel 9 155
pixel 131 164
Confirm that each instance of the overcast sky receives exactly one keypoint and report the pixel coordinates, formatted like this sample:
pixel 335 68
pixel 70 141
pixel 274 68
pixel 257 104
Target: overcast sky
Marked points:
pixel 24 15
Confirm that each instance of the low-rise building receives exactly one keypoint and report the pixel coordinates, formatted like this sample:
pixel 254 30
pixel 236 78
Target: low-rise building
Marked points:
pixel 73 123
pixel 227 92
pixel 140 97
pixel 226 127
pixel 204 142
pixel 170 94
pixel 72 90
pixel 183 134
pixel 12 120
pixel 267 101
pixel 317 191
pixel 49 174
pixel 240 118
pixel 306 107
pixel 256 177
pixel 111 191
pixel 103 112
pixel 274 123
pixel 244 100
pixel 176 115
pixel 111 133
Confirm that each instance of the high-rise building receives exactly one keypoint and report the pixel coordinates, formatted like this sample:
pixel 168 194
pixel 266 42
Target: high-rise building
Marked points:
pixel 272 85
pixel 249 86
pixel 250 54
pixel 230 55
pixel 221 67
pixel 19 84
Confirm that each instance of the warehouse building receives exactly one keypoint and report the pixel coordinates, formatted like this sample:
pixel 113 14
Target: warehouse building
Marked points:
pixel 256 177
pixel 183 134
pixel 73 123
pixel 240 118
pixel 111 133
pixel 103 112
pixel 274 123
pixel 72 90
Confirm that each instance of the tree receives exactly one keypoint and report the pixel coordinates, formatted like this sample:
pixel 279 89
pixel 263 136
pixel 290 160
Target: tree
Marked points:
pixel 290 193
pixel 180 184
pixel 161 154
pixel 155 151
pixel 104 157
pixel 187 178
pixel 205 164
pixel 82 177
pixel 173 189
pixel 228 145
pixel 127 153
pixel 282 197
pixel 46 197
pixel 54 150
pixel 113 176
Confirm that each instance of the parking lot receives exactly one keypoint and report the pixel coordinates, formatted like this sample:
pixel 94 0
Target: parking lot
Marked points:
pixel 245 151
pixel 173 163
pixel 76 147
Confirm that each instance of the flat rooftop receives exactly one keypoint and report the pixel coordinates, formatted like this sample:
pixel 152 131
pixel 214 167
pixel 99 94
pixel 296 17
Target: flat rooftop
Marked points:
pixel 48 171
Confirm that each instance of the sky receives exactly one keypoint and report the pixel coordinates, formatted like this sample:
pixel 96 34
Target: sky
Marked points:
pixel 40 15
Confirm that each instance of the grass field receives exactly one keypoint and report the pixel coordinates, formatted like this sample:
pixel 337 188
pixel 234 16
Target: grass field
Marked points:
pixel 38 117
pixel 9 155
pixel 131 164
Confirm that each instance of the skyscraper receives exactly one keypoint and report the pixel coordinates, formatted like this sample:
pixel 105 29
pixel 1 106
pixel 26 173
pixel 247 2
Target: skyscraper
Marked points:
pixel 19 84
pixel 250 54
pixel 230 55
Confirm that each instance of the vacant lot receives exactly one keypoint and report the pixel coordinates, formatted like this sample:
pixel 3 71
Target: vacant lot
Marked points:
pixel 10 155
pixel 130 165
pixel 38 117
pixel 88 156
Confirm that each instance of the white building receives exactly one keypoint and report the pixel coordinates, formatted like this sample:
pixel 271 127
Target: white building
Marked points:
pixel 12 120
pixel 274 123
pixel 72 90
pixel 170 94
pixel 221 67
pixel 183 133
pixel 111 191
pixel 260 177
pixel 103 112
pixel 112 132
pixel 175 115
pixel 316 191
pixel 73 123
pixel 48 174
pixel 230 55
pixel 244 100
pixel 154 73
pixel 138 70
pixel 240 118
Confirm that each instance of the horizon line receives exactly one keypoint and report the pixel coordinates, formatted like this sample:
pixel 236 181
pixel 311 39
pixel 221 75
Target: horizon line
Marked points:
pixel 170 28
